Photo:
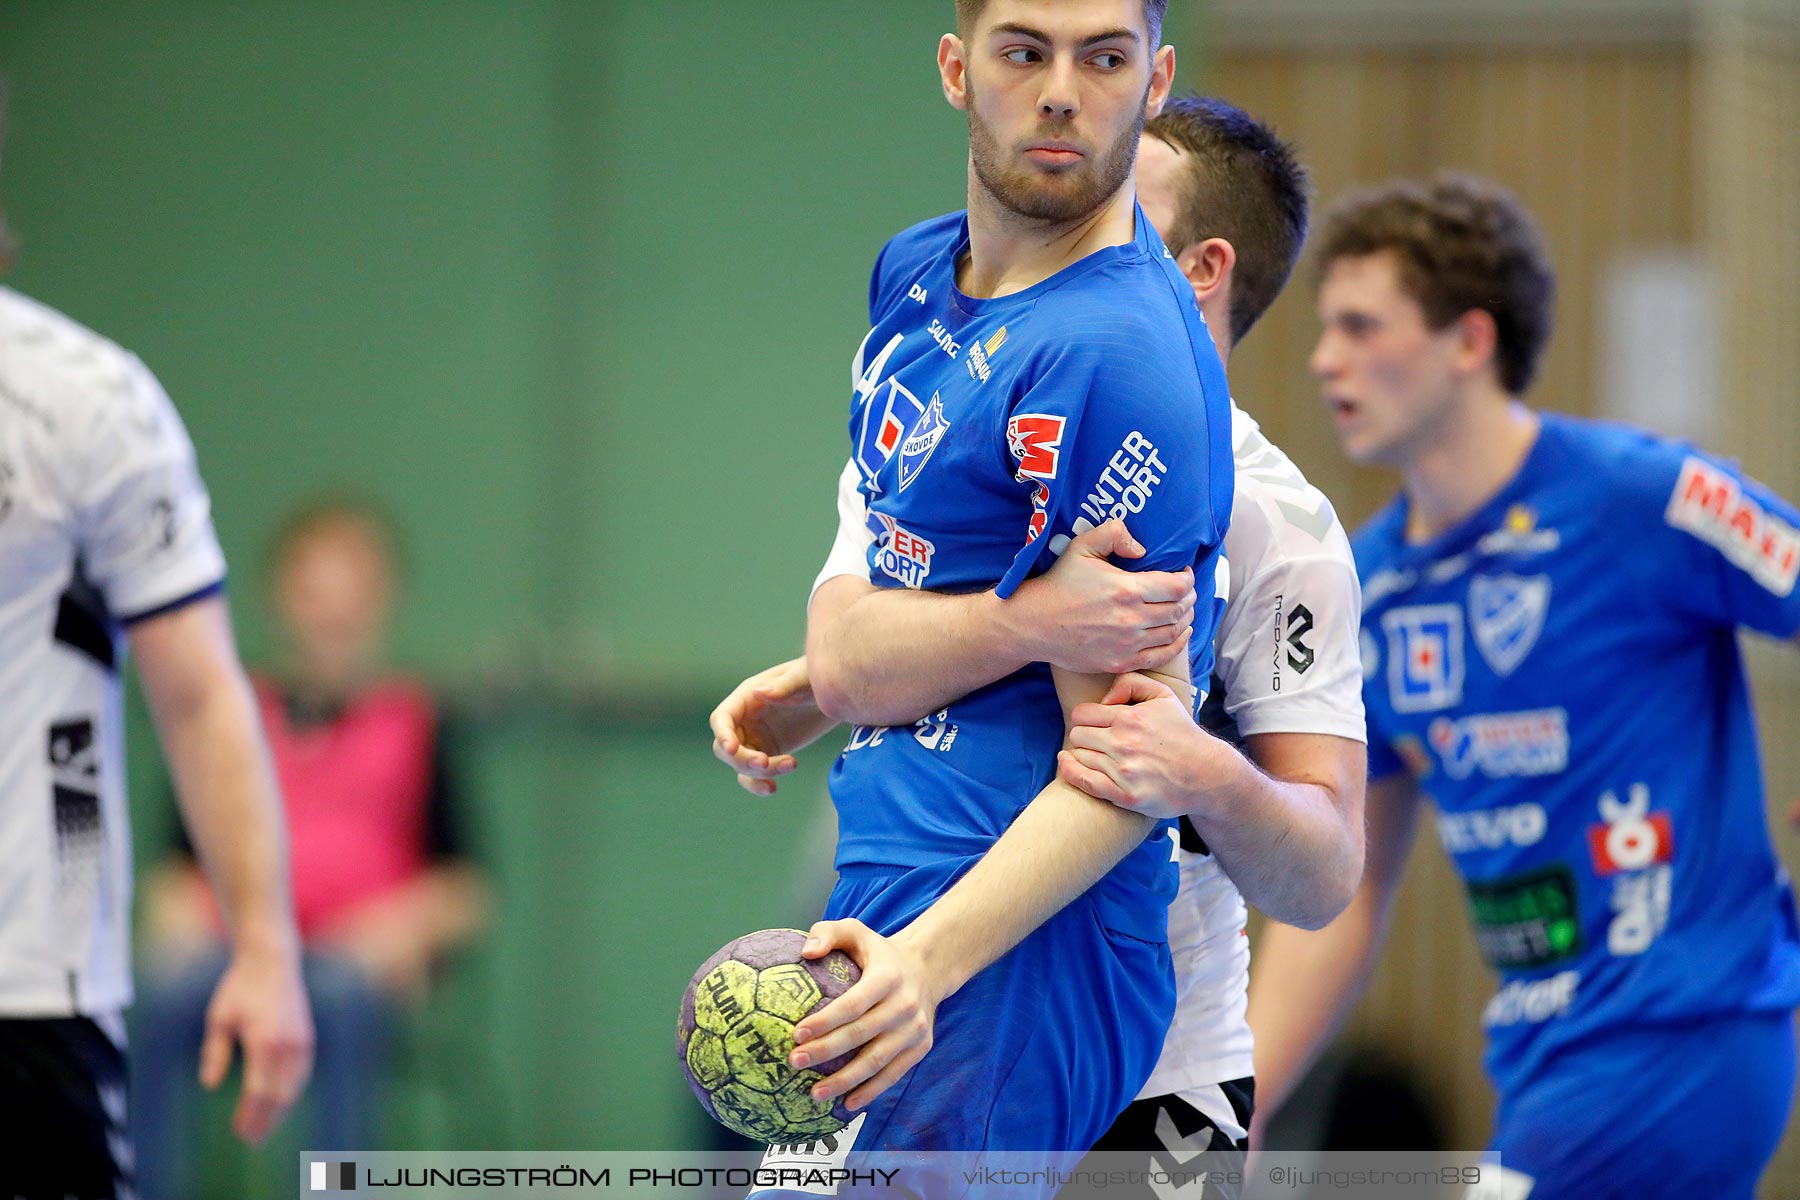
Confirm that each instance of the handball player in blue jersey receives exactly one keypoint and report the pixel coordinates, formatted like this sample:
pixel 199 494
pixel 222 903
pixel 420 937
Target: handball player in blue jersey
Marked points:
pixel 1229 199
pixel 1037 373
pixel 1551 612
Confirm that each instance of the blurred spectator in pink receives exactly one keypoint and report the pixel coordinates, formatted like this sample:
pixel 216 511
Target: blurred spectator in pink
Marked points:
pixel 383 885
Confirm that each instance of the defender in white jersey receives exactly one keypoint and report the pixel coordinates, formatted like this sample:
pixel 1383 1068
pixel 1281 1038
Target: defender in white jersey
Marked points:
pixel 1287 661
pixel 106 539
pixel 1287 664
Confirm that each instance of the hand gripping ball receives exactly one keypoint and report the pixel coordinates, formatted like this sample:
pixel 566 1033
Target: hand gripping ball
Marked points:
pixel 736 1031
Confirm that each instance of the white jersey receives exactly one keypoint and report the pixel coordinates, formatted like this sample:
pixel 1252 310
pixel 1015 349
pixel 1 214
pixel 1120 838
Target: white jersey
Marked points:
pixel 103 521
pixel 1288 662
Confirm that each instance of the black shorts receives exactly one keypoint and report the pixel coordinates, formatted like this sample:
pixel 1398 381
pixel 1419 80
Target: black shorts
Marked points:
pixel 1164 1133
pixel 62 1110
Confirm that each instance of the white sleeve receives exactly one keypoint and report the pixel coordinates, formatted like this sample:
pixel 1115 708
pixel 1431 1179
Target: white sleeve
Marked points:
pixel 144 518
pixel 850 550
pixel 1288 652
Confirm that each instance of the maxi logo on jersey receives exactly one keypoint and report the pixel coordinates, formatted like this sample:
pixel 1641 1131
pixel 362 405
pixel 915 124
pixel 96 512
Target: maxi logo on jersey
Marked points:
pixel 1425 657
pixel 1710 504
pixel 1506 614
pixel 924 437
pixel 1503 745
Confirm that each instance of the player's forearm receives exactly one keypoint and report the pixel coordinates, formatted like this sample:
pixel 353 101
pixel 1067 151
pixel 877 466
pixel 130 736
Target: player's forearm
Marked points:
pixel 1060 846
pixel 881 656
pixel 229 799
pixel 1303 986
pixel 1288 845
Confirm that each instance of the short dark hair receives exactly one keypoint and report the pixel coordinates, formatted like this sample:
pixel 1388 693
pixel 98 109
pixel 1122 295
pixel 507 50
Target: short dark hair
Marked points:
pixel 1462 243
pixel 968 10
pixel 1245 185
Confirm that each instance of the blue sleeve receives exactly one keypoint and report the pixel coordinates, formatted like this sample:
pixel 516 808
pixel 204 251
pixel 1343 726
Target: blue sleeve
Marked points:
pixel 1383 759
pixel 1119 431
pixel 1712 544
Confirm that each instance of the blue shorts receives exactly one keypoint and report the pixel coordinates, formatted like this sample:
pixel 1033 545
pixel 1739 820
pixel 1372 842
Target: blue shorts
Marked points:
pixel 1694 1109
pixel 1039 1052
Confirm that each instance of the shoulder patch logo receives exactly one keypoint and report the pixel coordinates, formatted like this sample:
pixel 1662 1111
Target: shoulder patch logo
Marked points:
pixel 1425 657
pixel 924 437
pixel 1035 440
pixel 1506 613
pixel 1709 503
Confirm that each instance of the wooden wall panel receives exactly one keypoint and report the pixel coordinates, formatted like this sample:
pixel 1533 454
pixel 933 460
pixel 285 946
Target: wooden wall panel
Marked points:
pixel 1749 171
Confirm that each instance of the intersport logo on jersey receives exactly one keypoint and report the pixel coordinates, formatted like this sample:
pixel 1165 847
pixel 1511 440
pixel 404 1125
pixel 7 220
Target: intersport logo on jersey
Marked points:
pixel 1126 483
pixel 1709 503
pixel 901 554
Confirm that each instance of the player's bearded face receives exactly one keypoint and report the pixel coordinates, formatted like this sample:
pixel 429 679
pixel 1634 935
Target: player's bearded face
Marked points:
pixel 1052 194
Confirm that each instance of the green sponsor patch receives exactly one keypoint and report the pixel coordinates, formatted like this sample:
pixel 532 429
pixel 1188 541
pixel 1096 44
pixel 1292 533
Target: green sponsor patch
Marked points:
pixel 1527 920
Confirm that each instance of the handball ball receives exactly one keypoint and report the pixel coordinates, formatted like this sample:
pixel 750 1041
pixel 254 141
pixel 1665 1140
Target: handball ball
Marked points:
pixel 737 1029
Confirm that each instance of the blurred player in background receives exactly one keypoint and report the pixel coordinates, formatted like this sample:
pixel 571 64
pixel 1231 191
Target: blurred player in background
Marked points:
pixel 1032 356
pixel 106 542
pixel 1231 196
pixel 1550 645
pixel 383 886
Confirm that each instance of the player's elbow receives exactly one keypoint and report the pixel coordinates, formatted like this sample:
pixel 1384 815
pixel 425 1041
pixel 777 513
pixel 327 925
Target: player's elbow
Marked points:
pixel 831 695
pixel 1331 882
pixel 1325 903
pixel 836 692
pixel 840 700
pixel 1340 876
pixel 845 691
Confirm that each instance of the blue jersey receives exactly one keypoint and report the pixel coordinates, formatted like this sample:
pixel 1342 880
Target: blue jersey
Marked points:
pixel 1561 672
pixel 988 433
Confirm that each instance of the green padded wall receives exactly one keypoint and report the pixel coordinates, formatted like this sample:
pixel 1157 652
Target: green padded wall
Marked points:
pixel 572 288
